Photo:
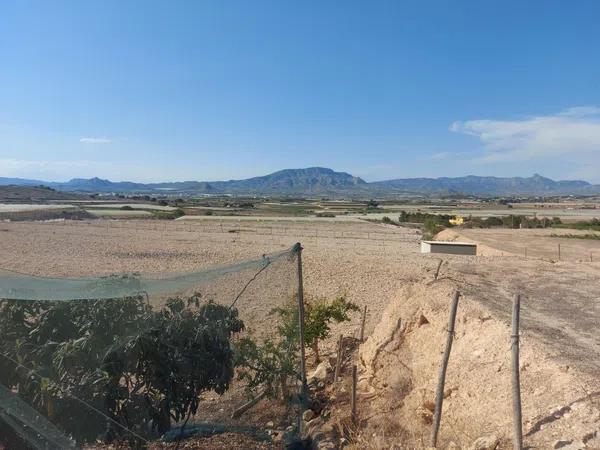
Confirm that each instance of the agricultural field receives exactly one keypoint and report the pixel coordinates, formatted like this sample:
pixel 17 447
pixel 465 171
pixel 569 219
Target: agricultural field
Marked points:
pixel 141 206
pixel 380 266
pixel 21 207
pixel 107 211
pixel 547 243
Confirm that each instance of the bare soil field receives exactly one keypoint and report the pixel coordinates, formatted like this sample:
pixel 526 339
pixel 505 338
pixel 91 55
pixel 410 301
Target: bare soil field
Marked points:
pixel 566 212
pixel 375 265
pixel 339 258
pixel 537 243
pixel 18 207
pixel 105 211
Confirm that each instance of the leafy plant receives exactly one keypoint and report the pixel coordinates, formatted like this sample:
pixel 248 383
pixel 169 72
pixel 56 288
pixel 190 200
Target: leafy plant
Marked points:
pixel 320 314
pixel 169 215
pixel 141 368
pixel 269 364
pixel 372 204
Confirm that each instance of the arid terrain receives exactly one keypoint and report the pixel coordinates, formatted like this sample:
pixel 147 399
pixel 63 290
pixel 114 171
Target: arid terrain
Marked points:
pixel 381 266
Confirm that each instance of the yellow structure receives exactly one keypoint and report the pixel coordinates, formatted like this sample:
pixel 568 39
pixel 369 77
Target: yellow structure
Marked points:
pixel 458 220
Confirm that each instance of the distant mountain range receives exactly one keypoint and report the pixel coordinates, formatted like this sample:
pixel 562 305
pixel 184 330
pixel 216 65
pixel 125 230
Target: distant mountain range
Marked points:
pixel 319 181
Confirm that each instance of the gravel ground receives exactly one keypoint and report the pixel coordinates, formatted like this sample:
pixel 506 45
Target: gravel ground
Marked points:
pixel 368 262
pixel 225 441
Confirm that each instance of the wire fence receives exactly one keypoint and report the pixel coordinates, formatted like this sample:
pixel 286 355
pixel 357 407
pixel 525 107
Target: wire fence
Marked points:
pixel 283 229
pixel 137 357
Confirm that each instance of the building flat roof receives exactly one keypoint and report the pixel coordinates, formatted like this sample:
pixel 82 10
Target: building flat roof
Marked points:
pixel 470 244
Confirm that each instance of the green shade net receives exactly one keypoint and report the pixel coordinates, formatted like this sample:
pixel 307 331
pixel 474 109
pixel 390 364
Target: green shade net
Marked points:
pixel 15 286
pixel 33 389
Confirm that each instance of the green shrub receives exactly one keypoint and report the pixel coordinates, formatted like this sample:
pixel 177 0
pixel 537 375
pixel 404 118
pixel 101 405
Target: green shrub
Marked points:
pixel 169 215
pixel 420 217
pixel 513 221
pixel 372 204
pixel 320 314
pixel 140 367
pixel 593 225
pixel 431 227
pixel 268 365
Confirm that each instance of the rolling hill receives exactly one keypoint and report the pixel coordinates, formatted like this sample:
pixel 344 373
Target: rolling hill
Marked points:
pixel 534 185
pixel 319 181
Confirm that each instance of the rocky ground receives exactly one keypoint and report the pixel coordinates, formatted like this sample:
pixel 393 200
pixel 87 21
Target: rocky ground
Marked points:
pixel 381 267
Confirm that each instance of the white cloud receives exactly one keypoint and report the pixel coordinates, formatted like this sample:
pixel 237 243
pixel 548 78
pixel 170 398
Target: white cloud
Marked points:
pixel 580 111
pixel 93 140
pixel 573 135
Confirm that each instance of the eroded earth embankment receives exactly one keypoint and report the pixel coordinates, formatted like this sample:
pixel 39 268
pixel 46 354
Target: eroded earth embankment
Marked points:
pixel 399 365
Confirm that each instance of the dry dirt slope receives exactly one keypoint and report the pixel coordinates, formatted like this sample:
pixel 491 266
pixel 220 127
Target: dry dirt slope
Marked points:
pixel 399 368
pixel 560 300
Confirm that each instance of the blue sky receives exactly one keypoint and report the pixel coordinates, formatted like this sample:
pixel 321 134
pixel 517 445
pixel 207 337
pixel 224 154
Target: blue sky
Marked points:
pixel 206 90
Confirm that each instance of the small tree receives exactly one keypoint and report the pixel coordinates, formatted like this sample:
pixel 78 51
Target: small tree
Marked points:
pixel 319 316
pixel 269 364
pixel 142 368
pixel 372 204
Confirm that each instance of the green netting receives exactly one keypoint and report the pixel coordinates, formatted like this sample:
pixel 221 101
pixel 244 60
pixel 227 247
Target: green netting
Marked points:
pixel 31 426
pixel 126 357
pixel 16 286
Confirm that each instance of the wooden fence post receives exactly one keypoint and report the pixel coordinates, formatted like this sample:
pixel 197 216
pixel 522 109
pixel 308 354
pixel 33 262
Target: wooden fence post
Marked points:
pixel 338 361
pixel 439 394
pixel 354 418
pixel 437 271
pixel 362 324
pixel 304 386
pixel 516 382
pixel 559 252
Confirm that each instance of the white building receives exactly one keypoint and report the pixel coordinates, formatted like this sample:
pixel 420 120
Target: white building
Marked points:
pixel 452 248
